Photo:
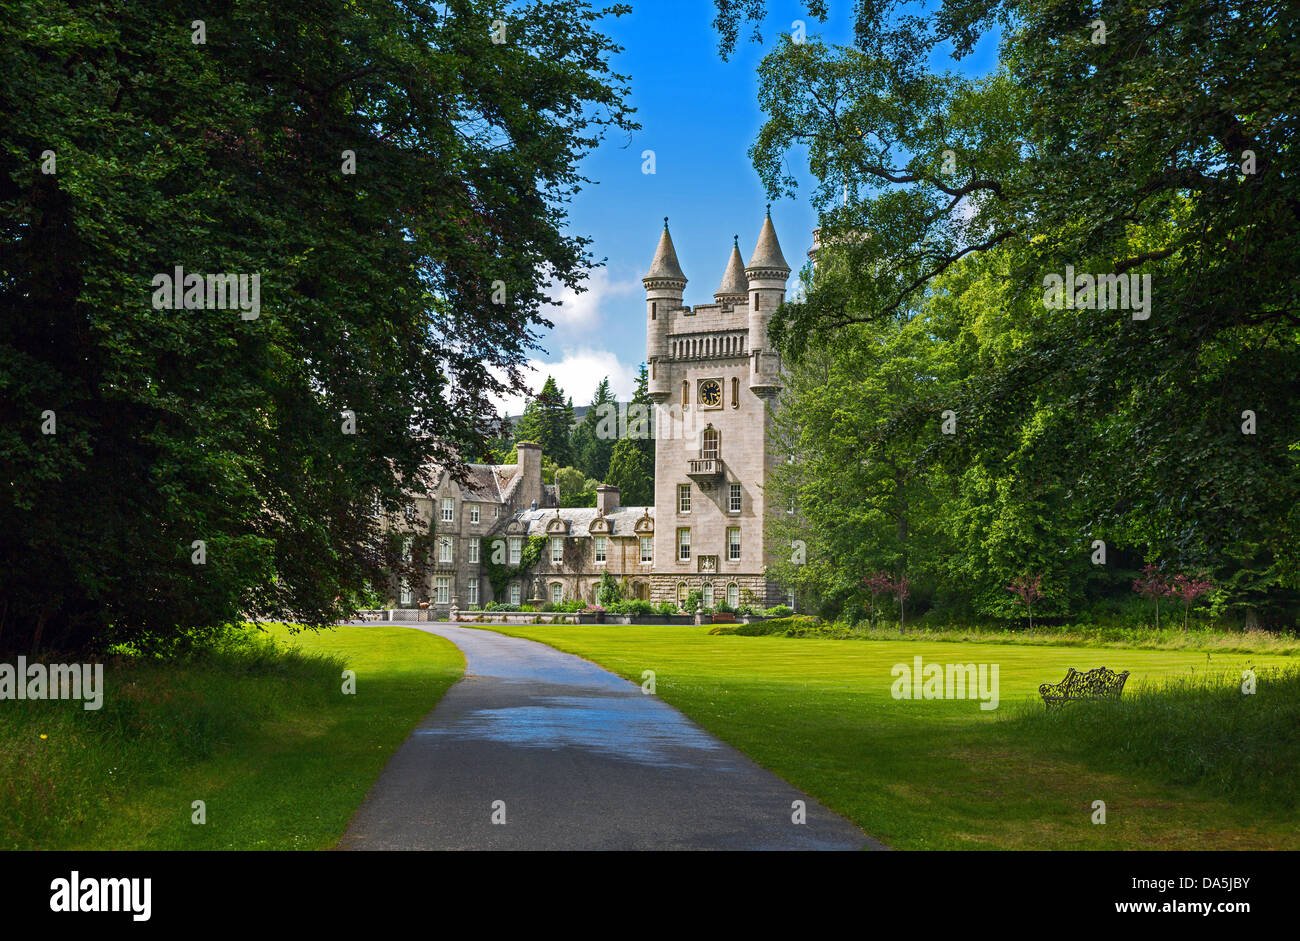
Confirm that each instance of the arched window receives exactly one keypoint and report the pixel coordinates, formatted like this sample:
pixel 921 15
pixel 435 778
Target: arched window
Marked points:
pixel 735 392
pixel 707 591
pixel 681 594
pixel 686 393
pixel 733 595
pixel 709 451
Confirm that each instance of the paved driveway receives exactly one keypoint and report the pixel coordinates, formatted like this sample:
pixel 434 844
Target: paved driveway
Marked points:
pixel 579 759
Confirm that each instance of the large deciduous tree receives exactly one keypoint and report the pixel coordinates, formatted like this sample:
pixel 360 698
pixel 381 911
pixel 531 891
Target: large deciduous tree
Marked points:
pixel 1152 140
pixel 396 176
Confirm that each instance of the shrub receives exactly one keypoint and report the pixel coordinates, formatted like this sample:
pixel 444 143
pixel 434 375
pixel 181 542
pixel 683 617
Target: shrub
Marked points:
pixel 608 591
pixel 778 611
pixel 666 609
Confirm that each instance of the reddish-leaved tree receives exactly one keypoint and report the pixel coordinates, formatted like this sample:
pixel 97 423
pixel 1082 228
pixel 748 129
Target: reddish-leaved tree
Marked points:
pixel 1151 584
pixel 1027 589
pixel 1187 588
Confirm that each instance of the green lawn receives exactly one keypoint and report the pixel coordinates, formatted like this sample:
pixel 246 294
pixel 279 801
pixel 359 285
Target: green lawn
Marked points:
pixel 262 734
pixel 935 774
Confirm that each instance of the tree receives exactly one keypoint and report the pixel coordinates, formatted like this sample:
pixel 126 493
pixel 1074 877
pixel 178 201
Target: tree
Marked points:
pixel 168 469
pixel 1027 589
pixel 547 420
pixel 1152 585
pixel 1187 589
pixel 592 446
pixel 1125 407
pixel 632 473
pixel 576 489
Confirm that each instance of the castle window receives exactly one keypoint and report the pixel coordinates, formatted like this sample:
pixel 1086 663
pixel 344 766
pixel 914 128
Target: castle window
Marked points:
pixel 472 586
pixel 684 544
pixel 442 590
pixel 733 499
pixel 557 549
pixel 686 393
pixel 600 549
pixel 514 593
pixel 647 549
pixel 683 498
pixel 654 309
pixel 681 594
pixel 405 597
pixel 406 549
pixel 557 592
pixel 444 548
pixel 710 450
pixel 473 513
pixel 733 595
pixel 516 549
pixel 733 544
pixel 735 392
pixel 707 594
pixel 448 509
pixel 473 551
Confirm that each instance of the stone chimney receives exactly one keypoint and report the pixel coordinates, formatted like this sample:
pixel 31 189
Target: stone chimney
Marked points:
pixel 530 489
pixel 607 497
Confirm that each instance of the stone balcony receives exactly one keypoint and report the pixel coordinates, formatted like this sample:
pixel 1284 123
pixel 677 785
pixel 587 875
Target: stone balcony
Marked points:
pixel 705 468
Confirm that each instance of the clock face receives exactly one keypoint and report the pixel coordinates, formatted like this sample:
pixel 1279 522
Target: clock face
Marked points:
pixel 710 393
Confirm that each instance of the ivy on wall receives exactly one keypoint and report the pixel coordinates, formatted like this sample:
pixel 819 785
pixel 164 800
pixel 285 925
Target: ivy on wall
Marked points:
pixel 499 574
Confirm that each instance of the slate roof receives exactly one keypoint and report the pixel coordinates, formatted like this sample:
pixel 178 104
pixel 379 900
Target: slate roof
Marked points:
pixel 767 253
pixel 622 519
pixel 664 264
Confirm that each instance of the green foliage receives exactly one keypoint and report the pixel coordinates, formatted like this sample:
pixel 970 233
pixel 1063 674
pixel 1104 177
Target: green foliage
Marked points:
pixel 633 473
pixel 1065 426
pixel 778 611
pixel 500 574
pixel 608 591
pixel 576 489
pixel 592 450
pixel 799 625
pixel 635 606
pixel 547 420
pixel 376 288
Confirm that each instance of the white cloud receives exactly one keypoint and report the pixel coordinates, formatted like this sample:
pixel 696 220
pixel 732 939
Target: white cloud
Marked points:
pixel 583 312
pixel 578 372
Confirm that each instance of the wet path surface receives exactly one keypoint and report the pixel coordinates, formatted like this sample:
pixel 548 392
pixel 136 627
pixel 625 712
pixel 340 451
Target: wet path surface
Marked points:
pixel 582 759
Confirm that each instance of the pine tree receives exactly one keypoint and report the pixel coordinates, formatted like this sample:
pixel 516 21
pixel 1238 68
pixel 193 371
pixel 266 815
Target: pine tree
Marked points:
pixel 546 421
pixel 641 401
pixel 591 450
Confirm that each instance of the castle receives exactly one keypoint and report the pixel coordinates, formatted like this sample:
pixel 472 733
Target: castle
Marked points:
pixel 713 379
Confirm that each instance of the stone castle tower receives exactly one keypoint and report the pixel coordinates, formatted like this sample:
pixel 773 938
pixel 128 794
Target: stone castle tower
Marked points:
pixel 713 379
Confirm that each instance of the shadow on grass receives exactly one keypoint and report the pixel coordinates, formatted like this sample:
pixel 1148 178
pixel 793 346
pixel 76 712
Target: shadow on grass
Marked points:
pixel 1201 731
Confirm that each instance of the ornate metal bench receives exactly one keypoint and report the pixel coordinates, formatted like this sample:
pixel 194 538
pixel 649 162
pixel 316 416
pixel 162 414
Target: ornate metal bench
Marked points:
pixel 1095 684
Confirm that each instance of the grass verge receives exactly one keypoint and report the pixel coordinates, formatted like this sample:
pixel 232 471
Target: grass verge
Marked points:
pixel 944 774
pixel 258 729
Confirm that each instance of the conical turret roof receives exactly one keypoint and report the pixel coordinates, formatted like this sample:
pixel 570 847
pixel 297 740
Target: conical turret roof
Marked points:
pixel 664 264
pixel 733 279
pixel 767 253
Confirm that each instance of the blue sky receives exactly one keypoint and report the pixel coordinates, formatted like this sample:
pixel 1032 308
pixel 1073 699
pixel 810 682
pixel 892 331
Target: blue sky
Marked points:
pixel 699 115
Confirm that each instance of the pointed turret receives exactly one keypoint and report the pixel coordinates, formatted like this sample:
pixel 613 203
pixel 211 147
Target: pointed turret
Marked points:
pixel 664 284
pixel 766 272
pixel 664 266
pixel 734 284
pixel 767 253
